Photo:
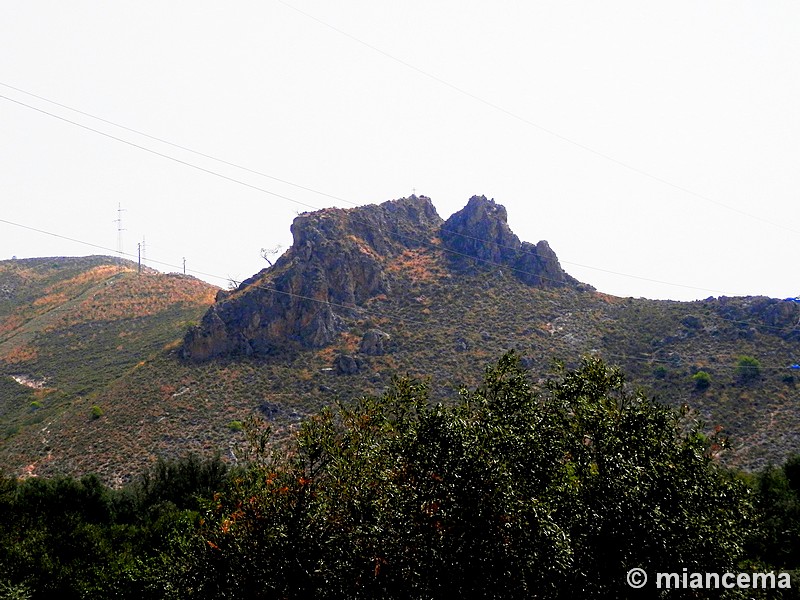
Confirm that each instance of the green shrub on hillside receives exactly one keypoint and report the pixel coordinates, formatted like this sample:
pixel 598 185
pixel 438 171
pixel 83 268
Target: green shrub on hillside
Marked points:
pixel 702 381
pixel 748 369
pixel 236 426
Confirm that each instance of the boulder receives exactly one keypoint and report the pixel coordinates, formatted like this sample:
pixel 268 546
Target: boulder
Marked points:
pixel 347 365
pixel 374 342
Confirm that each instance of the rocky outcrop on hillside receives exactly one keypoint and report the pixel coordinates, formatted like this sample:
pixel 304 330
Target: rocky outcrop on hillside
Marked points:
pixel 339 260
pixel 375 342
pixel 335 264
pixel 771 315
pixel 380 290
pixel 479 236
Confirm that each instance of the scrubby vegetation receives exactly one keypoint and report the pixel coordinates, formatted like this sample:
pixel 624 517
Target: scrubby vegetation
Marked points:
pixel 76 538
pixel 115 343
pixel 69 329
pixel 748 368
pixel 512 491
pixel 702 381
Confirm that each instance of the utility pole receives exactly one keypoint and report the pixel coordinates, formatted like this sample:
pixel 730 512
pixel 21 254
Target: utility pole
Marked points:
pixel 144 252
pixel 120 229
pixel 140 258
pixel 184 265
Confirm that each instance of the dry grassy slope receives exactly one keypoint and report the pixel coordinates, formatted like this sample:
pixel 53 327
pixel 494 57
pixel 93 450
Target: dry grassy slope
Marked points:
pixel 69 327
pixel 442 325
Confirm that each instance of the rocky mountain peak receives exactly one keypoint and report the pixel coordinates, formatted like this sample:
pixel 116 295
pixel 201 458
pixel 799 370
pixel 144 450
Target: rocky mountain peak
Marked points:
pixel 482 205
pixel 336 263
pixel 385 228
pixel 340 259
pixel 480 230
pixel 479 236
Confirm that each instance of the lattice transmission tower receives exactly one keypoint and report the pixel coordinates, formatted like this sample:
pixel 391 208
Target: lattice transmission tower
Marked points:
pixel 120 229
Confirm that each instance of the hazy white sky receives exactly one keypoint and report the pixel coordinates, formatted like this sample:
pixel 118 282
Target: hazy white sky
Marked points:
pixel 655 145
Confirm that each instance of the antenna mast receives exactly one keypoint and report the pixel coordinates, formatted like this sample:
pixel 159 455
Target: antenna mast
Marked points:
pixel 120 229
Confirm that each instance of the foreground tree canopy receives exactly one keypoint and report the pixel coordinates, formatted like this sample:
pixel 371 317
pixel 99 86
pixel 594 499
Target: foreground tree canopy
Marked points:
pixel 511 493
pixel 514 491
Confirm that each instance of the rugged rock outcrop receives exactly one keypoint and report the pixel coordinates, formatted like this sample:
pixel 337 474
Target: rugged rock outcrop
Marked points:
pixel 338 261
pixel 344 364
pixel 335 264
pixel 777 316
pixel 375 342
pixel 782 313
pixel 479 236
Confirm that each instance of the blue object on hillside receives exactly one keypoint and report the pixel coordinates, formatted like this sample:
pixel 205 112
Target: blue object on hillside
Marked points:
pixel 796 299
pixel 794 366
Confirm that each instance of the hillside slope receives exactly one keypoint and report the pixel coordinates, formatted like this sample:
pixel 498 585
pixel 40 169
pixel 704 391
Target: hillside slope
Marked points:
pixel 366 292
pixel 69 327
pixel 362 295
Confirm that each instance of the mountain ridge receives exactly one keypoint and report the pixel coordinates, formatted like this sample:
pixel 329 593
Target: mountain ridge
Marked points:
pixel 364 295
pixel 340 259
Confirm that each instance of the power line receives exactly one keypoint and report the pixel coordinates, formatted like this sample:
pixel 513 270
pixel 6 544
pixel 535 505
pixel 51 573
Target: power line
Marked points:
pixel 119 220
pixel 161 154
pixel 324 303
pixel 305 205
pixel 233 179
pixel 535 125
pixel 179 146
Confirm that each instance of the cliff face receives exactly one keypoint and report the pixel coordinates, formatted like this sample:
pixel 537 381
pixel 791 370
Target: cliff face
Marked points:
pixel 479 235
pixel 338 261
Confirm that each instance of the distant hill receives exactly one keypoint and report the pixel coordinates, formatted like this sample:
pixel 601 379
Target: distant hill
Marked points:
pixel 362 294
pixel 71 327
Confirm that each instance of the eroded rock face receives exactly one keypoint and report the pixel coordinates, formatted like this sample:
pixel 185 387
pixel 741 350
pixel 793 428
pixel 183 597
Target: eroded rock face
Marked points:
pixel 375 342
pixel 782 313
pixel 336 263
pixel 480 231
pixel 344 364
pixel 479 236
pixel 339 260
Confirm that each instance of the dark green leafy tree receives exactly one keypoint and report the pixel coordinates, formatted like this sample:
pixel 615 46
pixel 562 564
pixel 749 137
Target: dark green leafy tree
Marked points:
pixel 76 538
pixel 778 498
pixel 512 492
